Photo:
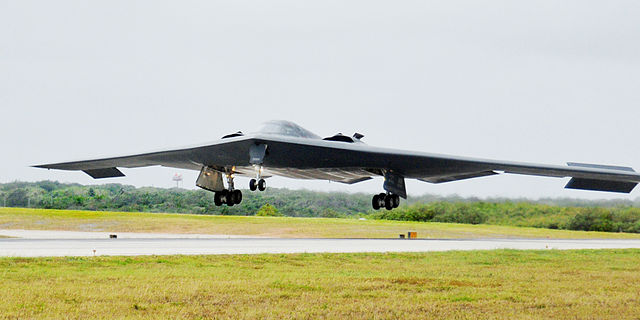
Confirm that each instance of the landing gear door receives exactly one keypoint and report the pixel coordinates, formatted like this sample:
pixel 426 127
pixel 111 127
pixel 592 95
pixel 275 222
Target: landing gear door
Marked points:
pixel 210 179
pixel 394 183
pixel 257 153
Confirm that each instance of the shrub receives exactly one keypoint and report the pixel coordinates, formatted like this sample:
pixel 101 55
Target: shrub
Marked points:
pixel 268 211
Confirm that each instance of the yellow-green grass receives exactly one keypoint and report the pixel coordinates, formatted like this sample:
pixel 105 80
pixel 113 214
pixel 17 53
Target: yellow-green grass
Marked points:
pixel 502 284
pixel 40 219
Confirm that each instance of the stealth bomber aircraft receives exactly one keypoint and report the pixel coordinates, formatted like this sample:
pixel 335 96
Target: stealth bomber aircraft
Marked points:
pixel 282 148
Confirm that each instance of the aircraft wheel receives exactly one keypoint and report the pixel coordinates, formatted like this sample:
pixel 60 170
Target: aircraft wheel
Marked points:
pixel 381 197
pixel 223 196
pixel 253 185
pixel 389 202
pixel 375 202
pixel 229 198
pixel 217 199
pixel 237 196
pixel 396 200
pixel 262 185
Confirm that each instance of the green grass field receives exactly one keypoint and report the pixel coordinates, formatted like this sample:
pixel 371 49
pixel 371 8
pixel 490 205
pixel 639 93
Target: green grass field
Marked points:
pixel 502 284
pixel 41 219
pixel 498 284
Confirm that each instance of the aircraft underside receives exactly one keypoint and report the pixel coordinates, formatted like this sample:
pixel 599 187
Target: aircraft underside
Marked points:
pixel 214 180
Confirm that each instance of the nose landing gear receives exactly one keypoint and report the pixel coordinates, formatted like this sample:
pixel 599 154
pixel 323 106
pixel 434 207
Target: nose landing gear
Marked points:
pixel 385 200
pixel 258 182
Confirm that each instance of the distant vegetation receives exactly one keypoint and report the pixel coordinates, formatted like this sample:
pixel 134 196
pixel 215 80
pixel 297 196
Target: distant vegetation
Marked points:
pixel 611 219
pixel 117 197
pixel 569 214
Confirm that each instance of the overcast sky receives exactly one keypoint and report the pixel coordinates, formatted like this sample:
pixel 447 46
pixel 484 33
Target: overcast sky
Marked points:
pixel 537 81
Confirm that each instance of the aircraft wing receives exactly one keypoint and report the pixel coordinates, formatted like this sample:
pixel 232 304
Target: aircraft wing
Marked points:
pixel 350 163
pixel 216 155
pixel 438 168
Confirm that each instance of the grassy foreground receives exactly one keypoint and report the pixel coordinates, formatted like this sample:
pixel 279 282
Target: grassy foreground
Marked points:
pixel 288 227
pixel 504 284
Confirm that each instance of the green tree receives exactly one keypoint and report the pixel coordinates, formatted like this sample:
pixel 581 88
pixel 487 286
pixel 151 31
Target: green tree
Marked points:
pixel 17 198
pixel 268 211
pixel 330 213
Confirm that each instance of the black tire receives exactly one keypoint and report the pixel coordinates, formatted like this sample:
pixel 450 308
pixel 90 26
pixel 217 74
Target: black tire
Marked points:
pixel 262 185
pixel 381 197
pixel 223 196
pixel 217 199
pixel 229 198
pixel 253 185
pixel 375 202
pixel 237 196
pixel 396 200
pixel 388 202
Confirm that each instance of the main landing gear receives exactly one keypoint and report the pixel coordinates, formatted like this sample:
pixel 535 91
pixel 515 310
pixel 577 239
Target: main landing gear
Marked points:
pixel 385 200
pixel 229 196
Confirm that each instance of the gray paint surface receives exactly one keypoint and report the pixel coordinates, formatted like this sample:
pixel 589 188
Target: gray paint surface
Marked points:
pixel 159 246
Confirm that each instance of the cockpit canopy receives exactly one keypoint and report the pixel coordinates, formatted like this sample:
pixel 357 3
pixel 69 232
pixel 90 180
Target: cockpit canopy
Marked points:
pixel 287 128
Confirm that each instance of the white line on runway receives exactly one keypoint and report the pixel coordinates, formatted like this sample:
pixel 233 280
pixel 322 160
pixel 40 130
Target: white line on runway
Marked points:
pixel 60 234
pixel 130 247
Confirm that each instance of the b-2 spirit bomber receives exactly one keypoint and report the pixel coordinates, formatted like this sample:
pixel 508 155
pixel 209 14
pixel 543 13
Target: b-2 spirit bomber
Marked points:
pixel 282 148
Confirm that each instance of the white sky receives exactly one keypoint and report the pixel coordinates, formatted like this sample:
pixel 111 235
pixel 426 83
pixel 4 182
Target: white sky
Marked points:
pixel 538 81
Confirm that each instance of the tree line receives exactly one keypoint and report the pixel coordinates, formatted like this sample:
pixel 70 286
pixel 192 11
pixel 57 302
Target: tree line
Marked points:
pixel 570 214
pixel 522 214
pixel 117 197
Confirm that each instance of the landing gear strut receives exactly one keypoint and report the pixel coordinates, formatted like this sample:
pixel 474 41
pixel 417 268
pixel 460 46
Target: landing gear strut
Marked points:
pixel 385 200
pixel 229 196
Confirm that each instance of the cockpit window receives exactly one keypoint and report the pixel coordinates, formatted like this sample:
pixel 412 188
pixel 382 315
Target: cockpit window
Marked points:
pixel 287 128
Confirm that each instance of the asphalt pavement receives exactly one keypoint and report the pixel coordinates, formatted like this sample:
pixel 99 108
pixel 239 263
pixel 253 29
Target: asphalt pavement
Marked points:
pixel 38 244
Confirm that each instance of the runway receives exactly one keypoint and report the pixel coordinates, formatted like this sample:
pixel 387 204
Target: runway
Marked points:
pixel 153 244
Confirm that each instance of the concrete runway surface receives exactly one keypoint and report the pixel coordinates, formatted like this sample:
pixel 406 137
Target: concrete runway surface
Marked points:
pixel 64 243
